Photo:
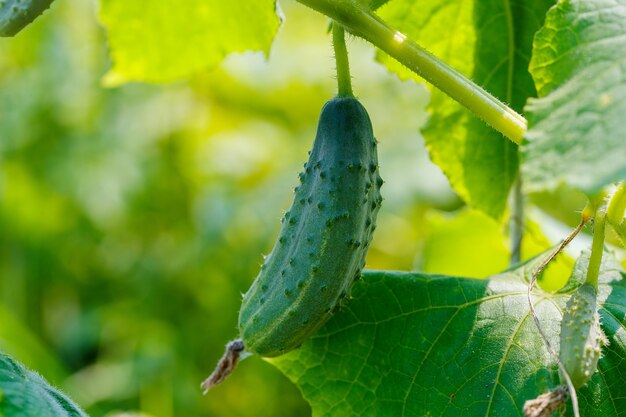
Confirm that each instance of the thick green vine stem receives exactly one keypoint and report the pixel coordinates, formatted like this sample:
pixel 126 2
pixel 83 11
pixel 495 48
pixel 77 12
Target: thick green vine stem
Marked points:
pixel 360 21
pixel 597 248
pixel 344 81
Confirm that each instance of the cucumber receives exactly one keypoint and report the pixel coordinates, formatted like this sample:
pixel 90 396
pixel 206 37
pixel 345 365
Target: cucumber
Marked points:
pixel 581 338
pixel 15 15
pixel 324 238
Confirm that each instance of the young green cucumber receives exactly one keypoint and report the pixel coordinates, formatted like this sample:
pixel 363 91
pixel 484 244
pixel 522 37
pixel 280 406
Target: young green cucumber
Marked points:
pixel 324 238
pixel 17 14
pixel 581 336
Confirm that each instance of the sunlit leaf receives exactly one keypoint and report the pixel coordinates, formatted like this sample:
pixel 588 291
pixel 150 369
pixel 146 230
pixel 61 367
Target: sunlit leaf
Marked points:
pixel 167 40
pixel 576 127
pixel 490 41
pixel 410 344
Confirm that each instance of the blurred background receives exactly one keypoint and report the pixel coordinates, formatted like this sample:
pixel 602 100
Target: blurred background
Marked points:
pixel 132 219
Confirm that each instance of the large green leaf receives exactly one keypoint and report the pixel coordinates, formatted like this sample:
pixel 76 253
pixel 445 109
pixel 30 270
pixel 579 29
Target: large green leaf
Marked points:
pixel 490 41
pixel 421 345
pixel 166 40
pixel 24 393
pixel 576 131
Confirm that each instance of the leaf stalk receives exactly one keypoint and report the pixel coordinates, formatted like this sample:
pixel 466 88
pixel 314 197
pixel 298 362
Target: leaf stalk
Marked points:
pixel 362 22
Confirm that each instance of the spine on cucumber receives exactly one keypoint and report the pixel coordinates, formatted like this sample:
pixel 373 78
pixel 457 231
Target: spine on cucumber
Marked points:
pixel 17 14
pixel 324 238
pixel 581 338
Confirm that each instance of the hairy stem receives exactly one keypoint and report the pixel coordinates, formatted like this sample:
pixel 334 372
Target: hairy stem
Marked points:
pixel 516 222
pixel 344 81
pixel 362 22
pixel 597 248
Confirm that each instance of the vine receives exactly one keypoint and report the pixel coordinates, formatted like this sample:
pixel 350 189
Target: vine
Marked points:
pixel 362 22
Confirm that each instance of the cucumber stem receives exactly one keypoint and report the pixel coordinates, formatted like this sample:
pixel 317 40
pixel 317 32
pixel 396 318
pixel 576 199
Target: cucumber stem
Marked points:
pixel 360 21
pixel 344 81
pixel 597 248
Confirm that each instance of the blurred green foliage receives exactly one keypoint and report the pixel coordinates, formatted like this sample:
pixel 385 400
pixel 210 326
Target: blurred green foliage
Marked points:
pixel 132 219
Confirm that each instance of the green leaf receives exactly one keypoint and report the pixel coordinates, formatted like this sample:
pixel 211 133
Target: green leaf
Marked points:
pixel 167 40
pixel 491 42
pixel 576 128
pixel 375 4
pixel 410 344
pixel 24 393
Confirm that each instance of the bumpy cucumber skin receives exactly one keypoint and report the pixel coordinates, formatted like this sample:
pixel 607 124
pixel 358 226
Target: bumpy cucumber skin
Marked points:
pixel 581 336
pixel 15 15
pixel 324 238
